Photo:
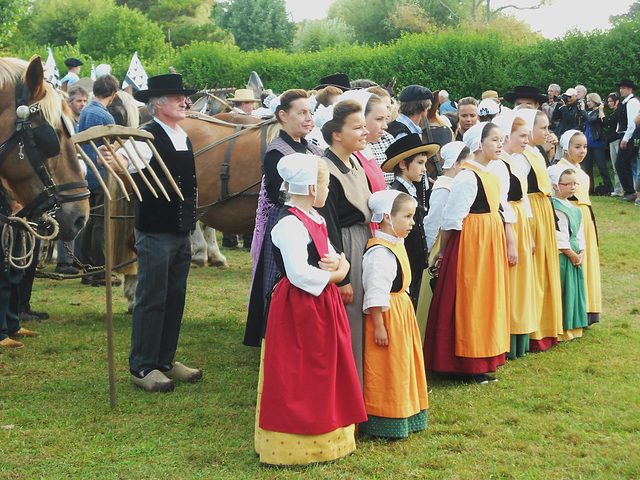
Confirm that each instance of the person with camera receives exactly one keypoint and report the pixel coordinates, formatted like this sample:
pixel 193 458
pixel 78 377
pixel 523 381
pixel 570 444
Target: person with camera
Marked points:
pixel 596 146
pixel 549 107
pixel 613 137
pixel 566 114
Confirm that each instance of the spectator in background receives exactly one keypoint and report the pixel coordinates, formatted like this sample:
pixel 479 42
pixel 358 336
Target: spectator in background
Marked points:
pixel 73 66
pixel 582 92
pixel 549 107
pixel 525 94
pixel 415 101
pixel 77 99
pixel 596 146
pixel 566 114
pixel 626 126
pixel 94 114
pixel 467 115
pixel 328 95
pixel 613 137
pixel 243 101
pixel 446 105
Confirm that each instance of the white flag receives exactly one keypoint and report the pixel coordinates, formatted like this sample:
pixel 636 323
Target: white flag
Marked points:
pixel 51 73
pixel 93 71
pixel 136 76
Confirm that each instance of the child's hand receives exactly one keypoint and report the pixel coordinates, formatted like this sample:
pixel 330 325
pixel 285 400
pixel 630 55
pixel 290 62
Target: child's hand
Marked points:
pixel 380 336
pixel 329 263
pixel 580 258
pixel 346 293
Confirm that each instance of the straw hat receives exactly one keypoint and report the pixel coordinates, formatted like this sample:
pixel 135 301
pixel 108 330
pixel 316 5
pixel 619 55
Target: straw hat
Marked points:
pixel 243 95
pixel 405 147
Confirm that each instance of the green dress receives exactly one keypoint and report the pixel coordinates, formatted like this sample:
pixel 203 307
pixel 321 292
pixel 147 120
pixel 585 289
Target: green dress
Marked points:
pixel 574 300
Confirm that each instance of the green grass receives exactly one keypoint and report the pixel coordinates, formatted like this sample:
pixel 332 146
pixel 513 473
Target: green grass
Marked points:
pixel 570 413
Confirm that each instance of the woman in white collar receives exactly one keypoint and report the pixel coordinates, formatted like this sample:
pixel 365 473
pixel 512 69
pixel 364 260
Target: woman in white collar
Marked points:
pixel 468 327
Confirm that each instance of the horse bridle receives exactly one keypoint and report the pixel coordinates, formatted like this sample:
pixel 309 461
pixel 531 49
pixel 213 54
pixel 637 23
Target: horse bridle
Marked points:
pixel 39 143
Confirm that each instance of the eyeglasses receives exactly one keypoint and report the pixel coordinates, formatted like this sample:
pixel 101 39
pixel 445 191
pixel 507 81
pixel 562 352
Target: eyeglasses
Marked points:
pixel 572 184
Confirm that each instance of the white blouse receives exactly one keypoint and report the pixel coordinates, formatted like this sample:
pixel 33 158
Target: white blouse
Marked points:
pixel 379 270
pixel 292 238
pixel 563 230
pixel 437 202
pixel 463 193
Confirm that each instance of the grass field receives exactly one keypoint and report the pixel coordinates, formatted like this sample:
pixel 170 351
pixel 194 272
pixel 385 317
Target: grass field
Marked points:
pixel 569 413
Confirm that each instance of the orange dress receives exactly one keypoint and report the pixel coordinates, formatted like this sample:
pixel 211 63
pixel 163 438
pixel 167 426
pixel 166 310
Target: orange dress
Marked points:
pixel 468 327
pixel 546 263
pixel 395 381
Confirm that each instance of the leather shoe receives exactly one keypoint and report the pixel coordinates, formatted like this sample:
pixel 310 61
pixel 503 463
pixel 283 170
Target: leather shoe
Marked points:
pixel 31 314
pixel 629 198
pixel 23 332
pixel 66 268
pixel 8 343
pixel 184 373
pixel 154 381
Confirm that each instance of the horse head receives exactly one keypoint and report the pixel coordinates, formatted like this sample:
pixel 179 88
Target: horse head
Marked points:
pixel 38 162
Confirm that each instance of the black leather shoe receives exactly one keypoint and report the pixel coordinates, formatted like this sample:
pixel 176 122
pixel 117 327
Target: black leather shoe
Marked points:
pixel 66 268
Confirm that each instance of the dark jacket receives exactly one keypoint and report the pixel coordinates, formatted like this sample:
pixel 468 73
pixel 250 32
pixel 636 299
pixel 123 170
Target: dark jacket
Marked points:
pixel 595 123
pixel 568 118
pixel 611 122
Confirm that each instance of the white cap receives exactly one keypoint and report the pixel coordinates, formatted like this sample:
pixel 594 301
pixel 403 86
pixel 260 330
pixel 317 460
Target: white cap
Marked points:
pixel 528 115
pixel 322 115
pixel 571 92
pixel 505 122
pixel 450 153
pixel 566 137
pixel 473 137
pixel 361 96
pixel 299 170
pixel 102 69
pixel 381 202
pixel 555 172
pixel 488 107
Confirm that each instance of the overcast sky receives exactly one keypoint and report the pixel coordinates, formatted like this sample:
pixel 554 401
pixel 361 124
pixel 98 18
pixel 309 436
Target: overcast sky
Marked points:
pixel 551 21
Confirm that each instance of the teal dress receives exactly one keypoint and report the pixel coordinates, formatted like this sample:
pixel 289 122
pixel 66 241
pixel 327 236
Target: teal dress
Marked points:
pixel 574 299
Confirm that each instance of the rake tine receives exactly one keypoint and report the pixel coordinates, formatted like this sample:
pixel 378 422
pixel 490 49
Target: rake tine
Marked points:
pixel 95 171
pixel 126 173
pixel 142 175
pixel 165 170
pixel 149 169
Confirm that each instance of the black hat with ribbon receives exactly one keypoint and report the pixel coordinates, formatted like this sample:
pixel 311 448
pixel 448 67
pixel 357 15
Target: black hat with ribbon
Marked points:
pixel 160 85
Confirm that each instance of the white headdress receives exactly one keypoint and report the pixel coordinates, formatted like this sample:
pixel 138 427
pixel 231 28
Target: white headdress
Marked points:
pixel 300 171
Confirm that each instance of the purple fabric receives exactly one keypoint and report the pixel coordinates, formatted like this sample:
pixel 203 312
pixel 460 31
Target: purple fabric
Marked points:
pixel 262 215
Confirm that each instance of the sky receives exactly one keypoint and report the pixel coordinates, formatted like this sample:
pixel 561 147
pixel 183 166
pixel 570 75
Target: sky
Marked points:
pixel 552 21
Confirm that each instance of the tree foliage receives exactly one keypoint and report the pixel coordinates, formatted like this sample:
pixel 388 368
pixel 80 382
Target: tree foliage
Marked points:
pixel 367 18
pixel 58 22
pixel 11 12
pixel 256 24
pixel 632 15
pixel 120 31
pixel 314 35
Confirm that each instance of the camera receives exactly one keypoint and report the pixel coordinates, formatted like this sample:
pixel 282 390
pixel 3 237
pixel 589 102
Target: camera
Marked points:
pixel 564 98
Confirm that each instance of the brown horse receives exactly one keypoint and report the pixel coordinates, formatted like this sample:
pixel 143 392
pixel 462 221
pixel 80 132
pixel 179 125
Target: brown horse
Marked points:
pixel 38 162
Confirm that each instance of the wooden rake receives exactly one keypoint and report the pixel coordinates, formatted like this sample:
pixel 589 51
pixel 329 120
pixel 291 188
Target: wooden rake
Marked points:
pixel 119 136
pixel 115 137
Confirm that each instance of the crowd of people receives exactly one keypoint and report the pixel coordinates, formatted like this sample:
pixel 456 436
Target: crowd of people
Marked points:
pixel 392 238
pixel 453 236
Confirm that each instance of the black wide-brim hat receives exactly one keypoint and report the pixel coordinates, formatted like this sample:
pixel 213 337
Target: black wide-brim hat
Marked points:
pixel 167 84
pixel 625 82
pixel 340 80
pixel 526 91
pixel 405 147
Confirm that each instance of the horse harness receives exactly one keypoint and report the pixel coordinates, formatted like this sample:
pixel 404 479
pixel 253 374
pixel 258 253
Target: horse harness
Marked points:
pixel 40 143
pixel 224 170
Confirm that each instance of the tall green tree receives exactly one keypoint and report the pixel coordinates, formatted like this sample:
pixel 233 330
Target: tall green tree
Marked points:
pixel 256 24
pixel 120 31
pixel 11 12
pixel 369 19
pixel 631 16
pixel 314 35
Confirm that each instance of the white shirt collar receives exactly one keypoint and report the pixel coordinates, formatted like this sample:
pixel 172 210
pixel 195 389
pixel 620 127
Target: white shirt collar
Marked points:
pixel 389 238
pixel 409 186
pixel 178 137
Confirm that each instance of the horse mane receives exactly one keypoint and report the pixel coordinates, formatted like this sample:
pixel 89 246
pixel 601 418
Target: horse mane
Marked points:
pixel 129 105
pixel 51 105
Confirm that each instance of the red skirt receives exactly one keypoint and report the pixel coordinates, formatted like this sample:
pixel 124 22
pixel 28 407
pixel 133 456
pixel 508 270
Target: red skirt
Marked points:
pixel 311 385
pixel 440 337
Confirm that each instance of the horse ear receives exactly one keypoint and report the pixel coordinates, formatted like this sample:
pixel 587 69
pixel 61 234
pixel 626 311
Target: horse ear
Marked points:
pixel 34 77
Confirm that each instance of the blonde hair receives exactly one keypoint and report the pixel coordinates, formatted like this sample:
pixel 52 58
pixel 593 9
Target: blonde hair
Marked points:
pixel 400 200
pixel 594 97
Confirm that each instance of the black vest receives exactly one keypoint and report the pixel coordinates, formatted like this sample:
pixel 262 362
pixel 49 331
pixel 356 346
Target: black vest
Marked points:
pixel 623 122
pixel 156 214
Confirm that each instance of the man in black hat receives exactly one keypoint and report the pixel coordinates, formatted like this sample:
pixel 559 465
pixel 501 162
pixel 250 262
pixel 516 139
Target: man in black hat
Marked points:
pixel 73 66
pixel 340 80
pixel 415 101
pixel 626 127
pixel 162 239
pixel 526 94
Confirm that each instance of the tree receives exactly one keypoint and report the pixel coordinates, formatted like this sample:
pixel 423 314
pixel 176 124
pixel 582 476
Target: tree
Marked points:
pixel 314 35
pixel 369 19
pixel 120 31
pixel 256 24
pixel 631 16
pixel 58 22
pixel 11 12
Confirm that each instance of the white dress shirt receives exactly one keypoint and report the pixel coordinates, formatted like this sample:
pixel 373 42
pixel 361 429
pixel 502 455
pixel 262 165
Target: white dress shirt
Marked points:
pixel 379 270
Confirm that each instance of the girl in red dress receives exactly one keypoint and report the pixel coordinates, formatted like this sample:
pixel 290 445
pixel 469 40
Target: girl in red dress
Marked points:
pixel 309 395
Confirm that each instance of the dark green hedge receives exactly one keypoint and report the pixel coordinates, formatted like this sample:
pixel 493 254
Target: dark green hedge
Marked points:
pixel 465 63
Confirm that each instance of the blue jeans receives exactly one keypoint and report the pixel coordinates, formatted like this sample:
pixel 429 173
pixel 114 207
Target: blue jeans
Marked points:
pixel 163 266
